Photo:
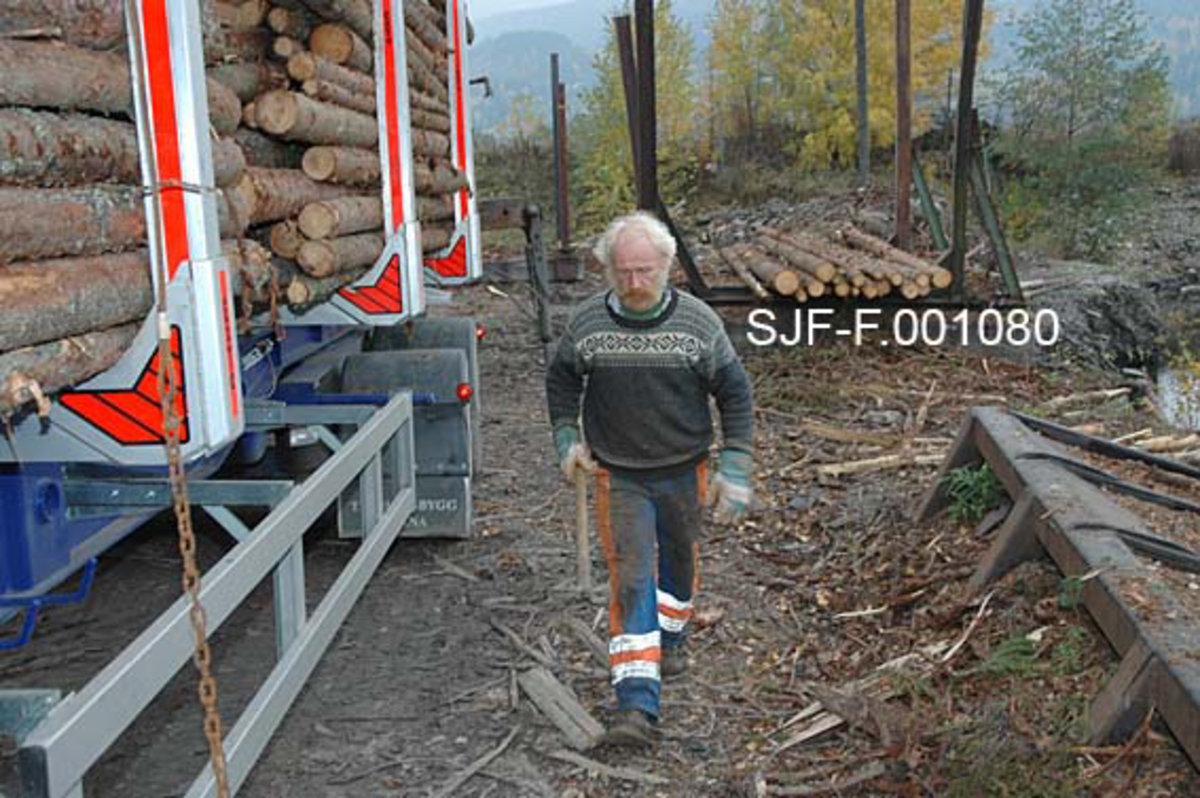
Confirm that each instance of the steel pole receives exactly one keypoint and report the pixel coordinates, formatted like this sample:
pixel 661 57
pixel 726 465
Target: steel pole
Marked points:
pixel 972 26
pixel 630 81
pixel 564 167
pixel 860 73
pixel 647 114
pixel 903 124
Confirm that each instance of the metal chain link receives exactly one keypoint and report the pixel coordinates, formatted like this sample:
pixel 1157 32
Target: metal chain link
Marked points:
pixel 168 390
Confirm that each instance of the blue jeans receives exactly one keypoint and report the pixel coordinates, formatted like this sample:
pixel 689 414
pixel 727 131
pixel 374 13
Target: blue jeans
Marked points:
pixel 649 523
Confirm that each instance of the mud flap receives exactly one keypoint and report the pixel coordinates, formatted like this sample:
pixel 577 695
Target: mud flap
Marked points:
pixel 443 509
pixel 448 333
pixel 441 433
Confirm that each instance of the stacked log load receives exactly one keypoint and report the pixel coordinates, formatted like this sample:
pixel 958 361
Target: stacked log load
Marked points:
pixel 291 94
pixel 848 264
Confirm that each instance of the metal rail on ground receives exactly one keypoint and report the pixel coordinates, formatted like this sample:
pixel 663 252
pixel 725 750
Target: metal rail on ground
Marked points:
pixel 1057 512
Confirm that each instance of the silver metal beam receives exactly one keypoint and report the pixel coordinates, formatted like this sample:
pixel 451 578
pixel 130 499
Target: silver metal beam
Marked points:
pixel 249 736
pixel 78 731
pixel 87 493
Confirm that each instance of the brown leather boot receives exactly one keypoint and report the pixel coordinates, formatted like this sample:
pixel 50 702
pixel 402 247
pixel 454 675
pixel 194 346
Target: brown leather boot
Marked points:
pixel 674 662
pixel 629 728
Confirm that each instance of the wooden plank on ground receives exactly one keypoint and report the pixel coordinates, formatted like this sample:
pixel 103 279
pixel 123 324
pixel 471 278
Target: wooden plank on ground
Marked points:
pixel 558 703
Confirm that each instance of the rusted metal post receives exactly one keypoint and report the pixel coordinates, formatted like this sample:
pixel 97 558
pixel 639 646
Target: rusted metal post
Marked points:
pixel 903 124
pixel 647 117
pixel 630 82
pixel 558 118
pixel 860 75
pixel 564 183
pixel 972 27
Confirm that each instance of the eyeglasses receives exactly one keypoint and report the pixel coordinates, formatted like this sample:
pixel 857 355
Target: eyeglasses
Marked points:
pixel 645 272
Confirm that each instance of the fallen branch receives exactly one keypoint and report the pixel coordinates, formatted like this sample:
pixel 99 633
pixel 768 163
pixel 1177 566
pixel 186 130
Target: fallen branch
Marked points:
pixel 878 464
pixel 600 769
pixel 970 628
pixel 1086 396
pixel 521 645
pixel 476 766
pixel 868 773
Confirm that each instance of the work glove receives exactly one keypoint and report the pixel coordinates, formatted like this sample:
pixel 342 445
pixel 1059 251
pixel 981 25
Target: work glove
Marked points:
pixel 730 490
pixel 573 454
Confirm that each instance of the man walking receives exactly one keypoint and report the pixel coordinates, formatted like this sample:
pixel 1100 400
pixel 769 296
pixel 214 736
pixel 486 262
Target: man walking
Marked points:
pixel 644 359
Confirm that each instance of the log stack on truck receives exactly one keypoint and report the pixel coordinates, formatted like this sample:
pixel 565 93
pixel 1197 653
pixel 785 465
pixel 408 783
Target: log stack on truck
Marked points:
pixel 294 142
pixel 217 221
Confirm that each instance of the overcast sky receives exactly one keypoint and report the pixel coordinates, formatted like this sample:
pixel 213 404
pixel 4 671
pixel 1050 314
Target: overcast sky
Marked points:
pixel 488 8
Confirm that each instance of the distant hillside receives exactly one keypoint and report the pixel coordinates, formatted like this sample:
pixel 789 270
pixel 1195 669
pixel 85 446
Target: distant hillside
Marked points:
pixel 1174 23
pixel 519 62
pixel 513 48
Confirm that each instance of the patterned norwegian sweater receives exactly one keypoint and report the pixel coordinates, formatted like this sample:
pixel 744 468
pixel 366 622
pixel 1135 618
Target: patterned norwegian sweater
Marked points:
pixel 646 383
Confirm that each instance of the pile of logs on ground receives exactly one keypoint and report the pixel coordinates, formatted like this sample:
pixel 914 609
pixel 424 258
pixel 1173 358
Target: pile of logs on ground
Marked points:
pixel 291 94
pixel 853 264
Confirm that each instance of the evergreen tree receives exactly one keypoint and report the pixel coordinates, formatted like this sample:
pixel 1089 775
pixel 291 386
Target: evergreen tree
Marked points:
pixel 1087 107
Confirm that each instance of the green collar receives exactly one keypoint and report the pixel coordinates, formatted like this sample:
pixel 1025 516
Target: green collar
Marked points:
pixel 642 315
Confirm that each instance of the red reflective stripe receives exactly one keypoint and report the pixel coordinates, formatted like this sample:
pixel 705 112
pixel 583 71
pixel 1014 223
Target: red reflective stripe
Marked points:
pixel 389 289
pixel 377 295
pixel 459 122
pixel 365 302
pixel 147 386
pixel 652 654
pixel 113 423
pixel 671 612
pixel 393 117
pixel 157 41
pixel 230 364
pixel 136 406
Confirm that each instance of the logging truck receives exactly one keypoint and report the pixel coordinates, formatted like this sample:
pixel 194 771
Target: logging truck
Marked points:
pixel 219 220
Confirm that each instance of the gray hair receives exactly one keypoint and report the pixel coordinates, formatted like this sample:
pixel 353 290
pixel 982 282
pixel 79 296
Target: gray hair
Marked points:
pixel 640 222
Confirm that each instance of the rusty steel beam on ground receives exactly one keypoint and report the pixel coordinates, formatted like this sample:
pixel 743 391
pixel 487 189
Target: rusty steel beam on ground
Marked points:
pixel 903 124
pixel 647 193
pixel 1057 512
pixel 972 28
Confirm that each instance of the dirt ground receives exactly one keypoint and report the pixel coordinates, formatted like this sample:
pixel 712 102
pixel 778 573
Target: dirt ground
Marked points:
pixel 827 580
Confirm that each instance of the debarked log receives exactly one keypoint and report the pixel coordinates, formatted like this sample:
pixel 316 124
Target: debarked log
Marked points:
pixel 348 253
pixel 95 24
pixel 341 45
pixel 417 49
pixel 329 92
pixel 423 21
pixel 344 165
pixel 439 179
pixel 304 291
pixel 281 193
pixel 51 299
pixel 268 151
pixel 248 79
pixel 340 217
pixel 48 149
pixel 298 117
pixel 294 22
pixel 30 372
pixel 43 223
pixel 307 66
pixel 355 13
pixel 42 74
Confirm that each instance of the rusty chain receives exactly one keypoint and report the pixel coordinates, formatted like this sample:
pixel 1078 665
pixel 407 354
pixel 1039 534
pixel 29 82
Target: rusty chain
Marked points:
pixel 168 389
pixel 167 382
